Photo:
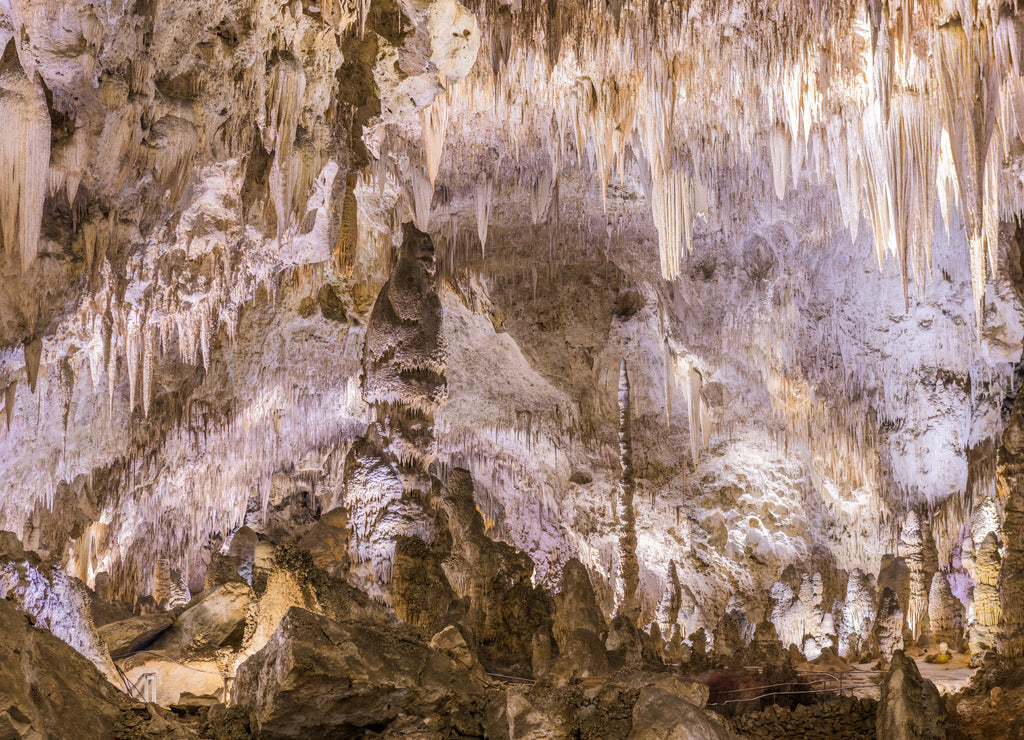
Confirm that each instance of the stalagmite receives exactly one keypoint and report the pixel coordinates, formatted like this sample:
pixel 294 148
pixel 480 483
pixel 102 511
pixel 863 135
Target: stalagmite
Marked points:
pixel 858 614
pixel 386 479
pixel 799 615
pixel 912 550
pixel 887 634
pixel 629 569
pixel 945 612
pixel 984 628
pixel 24 157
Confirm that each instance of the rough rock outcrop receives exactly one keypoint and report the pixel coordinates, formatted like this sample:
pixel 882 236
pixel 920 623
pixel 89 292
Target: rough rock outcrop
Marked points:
pixel 420 593
pixel 57 602
pixel 48 690
pixel 235 565
pixel 320 677
pixel 578 626
pixel 842 718
pixel 606 708
pixel 327 542
pixel 910 707
pixel 505 609
pixel 1010 482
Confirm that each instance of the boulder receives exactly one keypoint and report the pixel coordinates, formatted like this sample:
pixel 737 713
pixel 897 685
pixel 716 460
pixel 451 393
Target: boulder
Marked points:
pixel 131 635
pixel 909 707
pixel 328 542
pixel 316 677
pixel 214 618
pixel 451 642
pixel 534 717
pixel 660 714
pixel 623 644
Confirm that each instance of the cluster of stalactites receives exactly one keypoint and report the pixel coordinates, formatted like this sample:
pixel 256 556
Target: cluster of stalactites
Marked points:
pixel 906 108
pixel 24 157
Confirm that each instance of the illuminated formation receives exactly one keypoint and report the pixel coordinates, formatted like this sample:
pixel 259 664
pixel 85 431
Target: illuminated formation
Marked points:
pixel 545 339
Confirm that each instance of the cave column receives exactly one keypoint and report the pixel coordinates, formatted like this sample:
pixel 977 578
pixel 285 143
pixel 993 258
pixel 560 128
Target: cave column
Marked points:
pixel 1010 484
pixel 629 569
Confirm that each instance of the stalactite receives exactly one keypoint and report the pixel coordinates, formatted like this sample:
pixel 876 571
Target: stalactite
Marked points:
pixel 540 197
pixel 283 106
pixel 969 104
pixel 484 206
pixel 174 142
pixel 348 234
pixel 24 157
pixel 434 120
pixel 119 147
pixel 694 382
pixel 33 354
pixel 420 195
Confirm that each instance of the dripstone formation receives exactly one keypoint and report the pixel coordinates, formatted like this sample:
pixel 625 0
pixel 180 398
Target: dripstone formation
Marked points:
pixel 533 369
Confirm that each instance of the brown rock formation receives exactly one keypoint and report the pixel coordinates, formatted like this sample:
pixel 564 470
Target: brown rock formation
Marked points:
pixel 505 609
pixel 629 569
pixel 291 686
pixel 910 707
pixel 1010 483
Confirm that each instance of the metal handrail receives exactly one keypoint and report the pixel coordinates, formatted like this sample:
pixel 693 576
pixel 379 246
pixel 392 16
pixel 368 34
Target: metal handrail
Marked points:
pixel 174 660
pixel 823 677
pixel 520 679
